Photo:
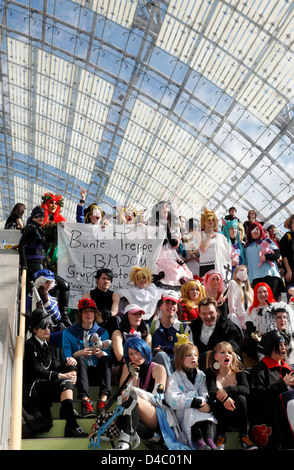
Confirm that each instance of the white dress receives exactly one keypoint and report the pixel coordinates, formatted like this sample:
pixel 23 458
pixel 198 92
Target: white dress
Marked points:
pixel 179 395
pixel 146 298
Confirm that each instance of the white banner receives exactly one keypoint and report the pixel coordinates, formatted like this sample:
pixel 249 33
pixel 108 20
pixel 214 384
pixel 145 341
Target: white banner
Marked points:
pixel 85 248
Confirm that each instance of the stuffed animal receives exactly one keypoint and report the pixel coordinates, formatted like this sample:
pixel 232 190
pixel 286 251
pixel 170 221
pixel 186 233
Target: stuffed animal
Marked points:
pixel 182 339
pixel 97 342
pixel 265 250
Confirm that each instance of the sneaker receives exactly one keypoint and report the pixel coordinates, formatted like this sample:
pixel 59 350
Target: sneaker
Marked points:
pixel 246 443
pixel 74 432
pixel 87 408
pixel 220 442
pixel 100 405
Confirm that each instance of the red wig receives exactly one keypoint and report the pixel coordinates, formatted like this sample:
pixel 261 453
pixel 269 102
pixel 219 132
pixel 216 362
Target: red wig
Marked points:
pixel 46 201
pixel 249 230
pixel 270 299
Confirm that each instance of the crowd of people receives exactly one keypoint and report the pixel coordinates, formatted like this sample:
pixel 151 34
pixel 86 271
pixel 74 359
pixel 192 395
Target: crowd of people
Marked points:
pixel 203 339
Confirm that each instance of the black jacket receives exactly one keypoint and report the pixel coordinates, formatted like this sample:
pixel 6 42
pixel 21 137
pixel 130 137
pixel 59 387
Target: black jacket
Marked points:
pixel 225 330
pixel 31 244
pixel 39 364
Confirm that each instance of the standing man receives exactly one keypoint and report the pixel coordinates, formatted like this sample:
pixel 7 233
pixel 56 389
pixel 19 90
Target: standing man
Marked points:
pixel 165 329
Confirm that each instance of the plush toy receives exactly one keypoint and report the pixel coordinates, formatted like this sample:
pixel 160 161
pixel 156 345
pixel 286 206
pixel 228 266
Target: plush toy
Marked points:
pixel 182 339
pixel 265 250
pixel 97 342
pixel 235 256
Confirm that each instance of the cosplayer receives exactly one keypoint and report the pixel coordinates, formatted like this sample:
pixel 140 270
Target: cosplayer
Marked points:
pixel 14 221
pixel 149 416
pixel 93 214
pixel 142 291
pixel 215 288
pixel 132 324
pixel 240 296
pixel 228 390
pixel 187 394
pixel 191 293
pixel 52 204
pixel 169 263
pixel 271 398
pixel 129 215
pixel 46 380
pixel 215 251
pixel 234 233
pixel 287 252
pixel 258 320
pixel 45 282
pixel 93 362
pixel 261 255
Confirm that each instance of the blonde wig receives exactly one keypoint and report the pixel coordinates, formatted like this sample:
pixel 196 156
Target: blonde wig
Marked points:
pixel 207 215
pixel 185 289
pixel 137 273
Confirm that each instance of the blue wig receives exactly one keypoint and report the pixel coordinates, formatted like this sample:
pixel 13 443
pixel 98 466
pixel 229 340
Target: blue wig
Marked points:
pixel 226 227
pixel 139 345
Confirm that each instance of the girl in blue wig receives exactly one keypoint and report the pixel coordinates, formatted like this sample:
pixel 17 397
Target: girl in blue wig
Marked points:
pixel 148 380
pixel 234 233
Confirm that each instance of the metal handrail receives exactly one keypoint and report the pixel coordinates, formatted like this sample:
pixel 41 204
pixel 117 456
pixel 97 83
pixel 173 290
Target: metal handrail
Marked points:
pixel 16 408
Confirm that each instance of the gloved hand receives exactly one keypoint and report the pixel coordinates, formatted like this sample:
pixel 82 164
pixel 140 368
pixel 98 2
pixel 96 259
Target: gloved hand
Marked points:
pixel 134 370
pixel 43 294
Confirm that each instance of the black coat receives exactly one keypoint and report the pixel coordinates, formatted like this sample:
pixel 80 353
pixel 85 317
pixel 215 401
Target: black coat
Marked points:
pixel 268 420
pixel 225 330
pixel 31 244
pixel 39 364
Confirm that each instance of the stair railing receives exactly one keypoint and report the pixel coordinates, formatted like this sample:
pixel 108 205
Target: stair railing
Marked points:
pixel 16 408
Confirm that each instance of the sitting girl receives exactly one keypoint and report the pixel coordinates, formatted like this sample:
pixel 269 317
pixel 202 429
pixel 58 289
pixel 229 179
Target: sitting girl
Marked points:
pixel 146 382
pixel 187 394
pixel 228 388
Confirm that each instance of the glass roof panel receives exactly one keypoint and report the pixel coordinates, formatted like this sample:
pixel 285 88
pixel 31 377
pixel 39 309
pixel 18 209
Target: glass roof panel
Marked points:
pixel 185 100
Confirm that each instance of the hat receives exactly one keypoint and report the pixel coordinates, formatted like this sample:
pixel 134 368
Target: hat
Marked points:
pixel 85 303
pixel 45 273
pixel 37 212
pixel 133 308
pixel 268 225
pixel 170 295
pixel 36 317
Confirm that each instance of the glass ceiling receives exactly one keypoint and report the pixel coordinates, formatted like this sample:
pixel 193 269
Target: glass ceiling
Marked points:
pixel 190 101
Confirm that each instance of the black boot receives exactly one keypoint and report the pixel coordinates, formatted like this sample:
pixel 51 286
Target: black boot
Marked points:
pixel 72 429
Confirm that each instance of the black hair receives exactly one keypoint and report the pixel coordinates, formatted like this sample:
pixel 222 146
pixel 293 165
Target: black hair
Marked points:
pixel 38 319
pixel 193 224
pixel 18 209
pixel 125 326
pixel 106 271
pixel 271 341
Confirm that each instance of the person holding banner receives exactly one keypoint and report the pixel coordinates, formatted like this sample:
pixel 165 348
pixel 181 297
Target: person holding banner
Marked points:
pixel 169 261
pixel 93 214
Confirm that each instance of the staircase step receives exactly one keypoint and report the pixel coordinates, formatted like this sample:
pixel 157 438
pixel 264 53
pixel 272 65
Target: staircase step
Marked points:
pixel 65 443
pixel 57 429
